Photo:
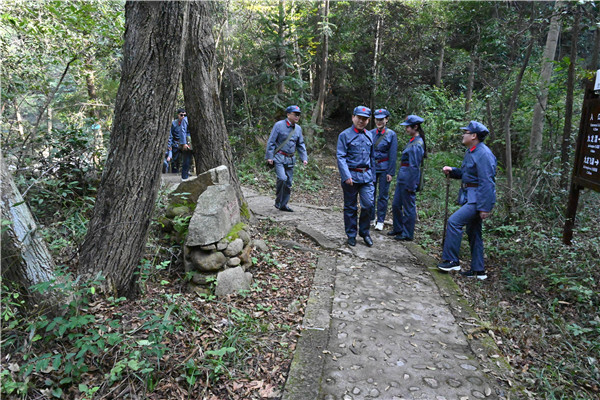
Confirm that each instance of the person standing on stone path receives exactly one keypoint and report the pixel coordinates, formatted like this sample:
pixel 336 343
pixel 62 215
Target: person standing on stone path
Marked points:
pixel 404 206
pixel 386 148
pixel 179 141
pixel 285 139
pixel 477 197
pixel 356 163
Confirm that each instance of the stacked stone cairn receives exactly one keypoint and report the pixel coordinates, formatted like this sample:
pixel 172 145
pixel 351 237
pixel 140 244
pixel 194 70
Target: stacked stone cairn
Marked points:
pixel 218 246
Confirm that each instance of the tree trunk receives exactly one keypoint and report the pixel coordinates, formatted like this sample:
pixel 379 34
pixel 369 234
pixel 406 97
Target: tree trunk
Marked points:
pixel 440 68
pixel 210 140
pixel 93 112
pixel 511 107
pixel 151 73
pixel 566 137
pixel 595 52
pixel 537 124
pixel 25 257
pixel 281 53
pixel 317 114
pixel 375 63
pixel 470 84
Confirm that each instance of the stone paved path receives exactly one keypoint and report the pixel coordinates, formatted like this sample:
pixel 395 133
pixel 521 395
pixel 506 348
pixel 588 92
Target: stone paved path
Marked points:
pixel 376 326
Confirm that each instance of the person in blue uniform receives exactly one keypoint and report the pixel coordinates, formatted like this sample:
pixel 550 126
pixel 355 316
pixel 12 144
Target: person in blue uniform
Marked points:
pixel 179 145
pixel 404 206
pixel 477 198
pixel 385 144
pixel 285 139
pixel 356 163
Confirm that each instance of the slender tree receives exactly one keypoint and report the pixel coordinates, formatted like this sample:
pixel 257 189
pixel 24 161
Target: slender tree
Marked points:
pixel 537 124
pixel 152 63
pixel 317 114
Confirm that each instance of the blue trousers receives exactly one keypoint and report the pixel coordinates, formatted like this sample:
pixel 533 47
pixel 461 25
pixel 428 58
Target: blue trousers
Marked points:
pixel 283 188
pixel 365 192
pixel 469 216
pixel 404 210
pixel 186 163
pixel 382 194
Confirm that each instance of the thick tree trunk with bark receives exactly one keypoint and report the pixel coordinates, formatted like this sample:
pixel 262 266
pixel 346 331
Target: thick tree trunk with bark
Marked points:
pixel 566 137
pixel 537 124
pixel 25 257
pixel 210 140
pixel 152 63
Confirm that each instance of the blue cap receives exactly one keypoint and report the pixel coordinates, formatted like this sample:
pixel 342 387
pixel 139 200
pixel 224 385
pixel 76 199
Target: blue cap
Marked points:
pixel 362 111
pixel 292 109
pixel 381 113
pixel 478 128
pixel 413 120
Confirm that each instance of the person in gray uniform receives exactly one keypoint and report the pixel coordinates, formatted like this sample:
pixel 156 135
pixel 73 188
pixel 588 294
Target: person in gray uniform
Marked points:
pixel 285 139
pixel 477 198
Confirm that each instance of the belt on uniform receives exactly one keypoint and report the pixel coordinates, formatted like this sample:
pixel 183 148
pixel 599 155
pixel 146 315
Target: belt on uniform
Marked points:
pixel 359 169
pixel 470 185
pixel 404 164
pixel 382 160
pixel 286 154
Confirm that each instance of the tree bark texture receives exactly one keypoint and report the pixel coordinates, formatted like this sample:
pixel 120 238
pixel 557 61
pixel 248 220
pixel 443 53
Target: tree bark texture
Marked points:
pixel 210 140
pixel 281 51
pixel 152 63
pixel 566 137
pixel 375 70
pixel 537 124
pixel 25 257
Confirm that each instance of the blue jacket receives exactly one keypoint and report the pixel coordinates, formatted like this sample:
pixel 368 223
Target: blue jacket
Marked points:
pixel 279 134
pixel 386 151
pixel 478 168
pixel 179 132
pixel 355 150
pixel 410 163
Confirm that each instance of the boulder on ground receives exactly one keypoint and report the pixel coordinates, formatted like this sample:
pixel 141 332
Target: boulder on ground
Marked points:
pixel 234 248
pixel 193 188
pixel 217 211
pixel 202 261
pixel 232 281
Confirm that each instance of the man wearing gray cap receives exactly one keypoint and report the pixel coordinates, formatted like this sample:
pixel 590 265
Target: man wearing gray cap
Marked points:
pixel 286 137
pixel 477 198
pixel 356 163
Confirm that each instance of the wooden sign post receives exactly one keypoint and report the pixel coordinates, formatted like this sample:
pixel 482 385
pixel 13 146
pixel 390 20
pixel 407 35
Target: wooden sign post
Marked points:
pixel 586 171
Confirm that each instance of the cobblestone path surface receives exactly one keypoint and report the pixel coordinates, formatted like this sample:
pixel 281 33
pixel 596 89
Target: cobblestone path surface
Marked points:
pixel 377 326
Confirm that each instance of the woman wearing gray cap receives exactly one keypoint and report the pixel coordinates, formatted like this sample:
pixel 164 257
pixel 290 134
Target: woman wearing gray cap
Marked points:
pixel 404 208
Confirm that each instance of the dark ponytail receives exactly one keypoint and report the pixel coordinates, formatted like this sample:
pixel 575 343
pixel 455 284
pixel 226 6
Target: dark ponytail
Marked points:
pixel 422 135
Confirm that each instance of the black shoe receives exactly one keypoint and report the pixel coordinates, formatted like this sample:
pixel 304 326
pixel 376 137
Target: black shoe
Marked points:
pixel 392 233
pixel 403 238
pixel 368 241
pixel 448 266
pixel 481 275
pixel 351 241
pixel 276 206
pixel 286 208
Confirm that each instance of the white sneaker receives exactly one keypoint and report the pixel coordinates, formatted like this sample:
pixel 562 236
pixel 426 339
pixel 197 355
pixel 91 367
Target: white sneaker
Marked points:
pixel 379 226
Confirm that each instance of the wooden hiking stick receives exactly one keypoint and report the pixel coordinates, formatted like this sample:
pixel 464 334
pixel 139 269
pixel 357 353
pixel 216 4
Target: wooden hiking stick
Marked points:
pixel 446 210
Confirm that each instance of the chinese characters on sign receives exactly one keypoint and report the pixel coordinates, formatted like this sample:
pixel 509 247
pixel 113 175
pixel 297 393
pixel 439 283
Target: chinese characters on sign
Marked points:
pixel 589 169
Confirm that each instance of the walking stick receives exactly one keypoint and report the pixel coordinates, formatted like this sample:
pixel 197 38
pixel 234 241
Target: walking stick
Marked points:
pixel 446 210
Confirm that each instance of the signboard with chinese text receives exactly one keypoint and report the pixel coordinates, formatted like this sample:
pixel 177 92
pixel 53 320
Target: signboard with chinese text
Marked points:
pixel 587 169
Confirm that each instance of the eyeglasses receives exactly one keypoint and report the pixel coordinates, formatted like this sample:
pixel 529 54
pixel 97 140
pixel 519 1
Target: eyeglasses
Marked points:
pixel 182 115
